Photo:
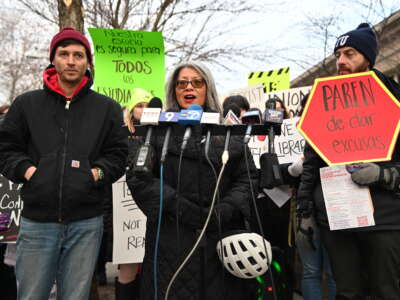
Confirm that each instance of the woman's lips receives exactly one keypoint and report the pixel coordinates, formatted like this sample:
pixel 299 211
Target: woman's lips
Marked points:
pixel 189 98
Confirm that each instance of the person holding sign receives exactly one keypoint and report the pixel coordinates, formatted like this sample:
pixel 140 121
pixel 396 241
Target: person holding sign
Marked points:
pixel 187 196
pixel 311 250
pixel 365 260
pixel 8 289
pixel 127 283
pixel 65 143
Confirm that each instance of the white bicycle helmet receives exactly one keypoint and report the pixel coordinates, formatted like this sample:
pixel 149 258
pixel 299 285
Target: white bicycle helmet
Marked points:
pixel 244 254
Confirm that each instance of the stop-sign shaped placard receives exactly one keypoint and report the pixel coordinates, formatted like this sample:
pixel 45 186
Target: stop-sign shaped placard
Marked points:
pixel 351 118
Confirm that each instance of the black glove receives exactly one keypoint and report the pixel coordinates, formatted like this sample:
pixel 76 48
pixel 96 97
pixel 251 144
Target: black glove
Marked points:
pixel 305 231
pixel 221 215
pixel 224 212
pixel 371 174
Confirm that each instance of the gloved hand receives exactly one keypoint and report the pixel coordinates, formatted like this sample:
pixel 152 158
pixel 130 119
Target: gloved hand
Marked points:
pixel 190 214
pixel 370 174
pixel 221 215
pixel 224 212
pixel 4 221
pixel 296 168
pixel 305 231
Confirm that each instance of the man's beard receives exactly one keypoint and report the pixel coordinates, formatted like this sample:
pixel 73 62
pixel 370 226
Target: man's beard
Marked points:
pixel 364 67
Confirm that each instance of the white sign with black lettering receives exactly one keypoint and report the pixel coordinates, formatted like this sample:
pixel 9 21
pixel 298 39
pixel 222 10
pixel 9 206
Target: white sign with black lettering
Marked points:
pixel 291 98
pixel 348 205
pixel 12 204
pixel 254 94
pixel 289 146
pixel 129 226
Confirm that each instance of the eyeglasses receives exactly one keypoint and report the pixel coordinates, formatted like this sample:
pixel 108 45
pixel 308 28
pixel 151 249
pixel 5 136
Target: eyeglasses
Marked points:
pixel 196 83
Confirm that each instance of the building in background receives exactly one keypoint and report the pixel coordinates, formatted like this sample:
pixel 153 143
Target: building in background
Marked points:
pixel 388 60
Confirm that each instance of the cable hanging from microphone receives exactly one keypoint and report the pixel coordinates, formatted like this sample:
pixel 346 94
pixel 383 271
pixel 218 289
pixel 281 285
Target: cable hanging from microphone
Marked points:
pixel 157 241
pixel 203 230
pixel 188 117
pixel 231 118
pixel 253 198
pixel 213 117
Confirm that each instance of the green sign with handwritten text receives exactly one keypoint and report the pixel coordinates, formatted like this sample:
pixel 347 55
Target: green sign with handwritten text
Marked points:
pixel 126 59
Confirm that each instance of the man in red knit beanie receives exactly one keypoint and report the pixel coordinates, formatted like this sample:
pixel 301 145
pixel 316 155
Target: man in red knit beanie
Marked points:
pixel 66 145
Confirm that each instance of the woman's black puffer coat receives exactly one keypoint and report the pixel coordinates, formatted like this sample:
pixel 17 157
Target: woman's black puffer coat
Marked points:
pixel 197 183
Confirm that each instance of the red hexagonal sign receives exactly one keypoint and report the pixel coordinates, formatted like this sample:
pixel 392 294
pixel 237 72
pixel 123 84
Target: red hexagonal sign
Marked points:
pixel 351 118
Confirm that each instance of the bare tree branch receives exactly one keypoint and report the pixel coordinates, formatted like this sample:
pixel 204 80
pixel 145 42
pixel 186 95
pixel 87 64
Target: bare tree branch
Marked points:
pixel 46 9
pixel 160 13
pixel 27 55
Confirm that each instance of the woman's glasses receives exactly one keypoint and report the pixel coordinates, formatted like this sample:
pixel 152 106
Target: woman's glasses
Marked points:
pixel 196 83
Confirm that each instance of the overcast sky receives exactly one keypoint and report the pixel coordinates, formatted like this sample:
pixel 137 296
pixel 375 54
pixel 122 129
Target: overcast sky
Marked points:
pixel 290 33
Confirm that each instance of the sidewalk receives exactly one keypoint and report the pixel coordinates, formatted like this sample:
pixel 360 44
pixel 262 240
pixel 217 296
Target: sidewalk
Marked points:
pixel 107 292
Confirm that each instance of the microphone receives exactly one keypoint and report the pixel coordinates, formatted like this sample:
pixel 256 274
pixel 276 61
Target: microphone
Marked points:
pixel 231 113
pixel 189 117
pixel 250 118
pixel 270 175
pixel 150 116
pixel 209 119
pixel 168 118
pixel 273 118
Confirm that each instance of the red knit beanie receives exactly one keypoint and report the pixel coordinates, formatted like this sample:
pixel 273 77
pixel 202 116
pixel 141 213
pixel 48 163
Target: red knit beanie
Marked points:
pixel 66 34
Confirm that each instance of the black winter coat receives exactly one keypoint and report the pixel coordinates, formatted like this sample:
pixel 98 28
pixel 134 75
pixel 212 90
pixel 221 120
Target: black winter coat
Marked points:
pixel 195 195
pixel 386 203
pixel 64 144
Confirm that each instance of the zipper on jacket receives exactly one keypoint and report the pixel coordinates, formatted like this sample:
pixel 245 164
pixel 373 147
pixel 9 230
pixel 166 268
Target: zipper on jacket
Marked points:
pixel 63 158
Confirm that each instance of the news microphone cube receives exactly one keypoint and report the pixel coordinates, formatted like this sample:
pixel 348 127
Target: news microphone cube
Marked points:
pixel 150 116
pixel 189 117
pixel 169 117
pixel 273 116
pixel 231 119
pixel 210 118
pixel 252 117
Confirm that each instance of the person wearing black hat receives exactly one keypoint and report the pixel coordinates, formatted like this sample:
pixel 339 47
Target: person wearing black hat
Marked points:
pixel 365 261
pixel 65 143
pixel 356 50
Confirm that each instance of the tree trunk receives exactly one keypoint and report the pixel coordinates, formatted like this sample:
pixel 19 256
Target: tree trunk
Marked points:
pixel 70 14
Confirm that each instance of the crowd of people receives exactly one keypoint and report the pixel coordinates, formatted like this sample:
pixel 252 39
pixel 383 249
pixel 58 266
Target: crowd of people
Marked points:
pixel 67 144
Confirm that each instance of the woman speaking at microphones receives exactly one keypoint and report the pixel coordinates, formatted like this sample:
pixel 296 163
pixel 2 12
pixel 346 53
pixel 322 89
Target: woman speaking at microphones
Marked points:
pixel 184 186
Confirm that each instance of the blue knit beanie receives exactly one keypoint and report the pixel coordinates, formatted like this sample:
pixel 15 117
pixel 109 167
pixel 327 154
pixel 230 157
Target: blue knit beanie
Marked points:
pixel 362 39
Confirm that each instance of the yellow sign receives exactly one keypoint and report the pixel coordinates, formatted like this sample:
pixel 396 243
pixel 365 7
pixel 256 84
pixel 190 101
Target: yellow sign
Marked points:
pixel 274 80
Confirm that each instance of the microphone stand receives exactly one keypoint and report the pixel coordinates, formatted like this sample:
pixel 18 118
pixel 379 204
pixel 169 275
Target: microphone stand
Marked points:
pixel 271 139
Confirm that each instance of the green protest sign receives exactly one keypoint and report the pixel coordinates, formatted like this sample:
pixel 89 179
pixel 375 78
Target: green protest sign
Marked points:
pixel 126 60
